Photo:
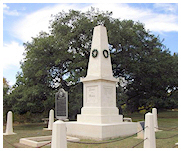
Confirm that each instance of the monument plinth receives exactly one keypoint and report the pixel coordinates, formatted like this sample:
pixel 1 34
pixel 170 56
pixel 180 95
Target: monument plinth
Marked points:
pixel 99 118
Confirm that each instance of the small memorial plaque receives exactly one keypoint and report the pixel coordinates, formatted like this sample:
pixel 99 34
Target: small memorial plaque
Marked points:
pixel 61 104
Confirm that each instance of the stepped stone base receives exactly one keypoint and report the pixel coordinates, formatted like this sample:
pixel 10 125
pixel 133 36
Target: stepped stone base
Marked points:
pixel 101 131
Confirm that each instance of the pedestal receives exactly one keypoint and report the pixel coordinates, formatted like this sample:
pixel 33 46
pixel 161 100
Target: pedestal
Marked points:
pixel 99 105
pixel 100 131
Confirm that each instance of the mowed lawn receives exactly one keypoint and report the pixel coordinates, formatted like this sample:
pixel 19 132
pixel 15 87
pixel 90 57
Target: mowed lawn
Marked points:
pixel 164 139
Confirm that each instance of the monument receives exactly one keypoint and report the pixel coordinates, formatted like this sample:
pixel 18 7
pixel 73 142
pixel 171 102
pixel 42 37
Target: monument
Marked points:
pixel 99 118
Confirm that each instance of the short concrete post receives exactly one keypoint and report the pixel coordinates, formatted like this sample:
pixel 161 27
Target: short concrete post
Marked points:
pixel 9 125
pixel 149 134
pixel 59 138
pixel 51 119
pixel 155 121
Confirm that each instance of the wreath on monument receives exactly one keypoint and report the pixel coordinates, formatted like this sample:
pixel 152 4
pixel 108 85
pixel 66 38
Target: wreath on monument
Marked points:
pixel 94 53
pixel 105 53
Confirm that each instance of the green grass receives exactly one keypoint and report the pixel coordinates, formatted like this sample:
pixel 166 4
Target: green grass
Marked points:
pixel 23 131
pixel 166 119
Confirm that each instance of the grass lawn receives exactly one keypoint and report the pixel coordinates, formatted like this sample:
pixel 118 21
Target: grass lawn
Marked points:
pixel 166 120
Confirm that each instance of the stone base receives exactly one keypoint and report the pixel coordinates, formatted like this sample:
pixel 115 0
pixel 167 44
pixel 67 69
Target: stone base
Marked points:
pixel 36 141
pixel 42 140
pixel 158 130
pixel 47 129
pixel 99 115
pixel 9 133
pixel 99 119
pixel 101 131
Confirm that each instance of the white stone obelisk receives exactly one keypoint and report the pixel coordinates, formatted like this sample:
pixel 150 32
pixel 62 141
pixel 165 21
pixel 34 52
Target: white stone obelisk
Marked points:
pixel 149 134
pixel 99 102
pixel 9 125
pixel 51 120
pixel 99 66
pixel 99 118
pixel 59 138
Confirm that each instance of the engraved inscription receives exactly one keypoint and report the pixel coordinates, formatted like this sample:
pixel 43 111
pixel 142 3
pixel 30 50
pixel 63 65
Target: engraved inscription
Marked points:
pixel 108 96
pixel 92 94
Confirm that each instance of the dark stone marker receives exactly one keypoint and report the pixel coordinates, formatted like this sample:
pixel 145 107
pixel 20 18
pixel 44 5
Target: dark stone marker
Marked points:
pixel 142 123
pixel 61 104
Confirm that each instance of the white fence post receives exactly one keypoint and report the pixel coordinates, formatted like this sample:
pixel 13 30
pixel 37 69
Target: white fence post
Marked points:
pixel 9 125
pixel 149 134
pixel 154 112
pixel 59 138
pixel 51 119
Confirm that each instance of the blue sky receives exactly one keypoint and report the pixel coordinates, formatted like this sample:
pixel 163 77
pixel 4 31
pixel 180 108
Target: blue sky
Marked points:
pixel 21 21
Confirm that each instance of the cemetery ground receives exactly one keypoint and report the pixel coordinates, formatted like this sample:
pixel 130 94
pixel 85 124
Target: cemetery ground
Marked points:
pixel 164 139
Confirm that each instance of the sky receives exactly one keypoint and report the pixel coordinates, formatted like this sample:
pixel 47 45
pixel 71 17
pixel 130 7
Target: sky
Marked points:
pixel 22 21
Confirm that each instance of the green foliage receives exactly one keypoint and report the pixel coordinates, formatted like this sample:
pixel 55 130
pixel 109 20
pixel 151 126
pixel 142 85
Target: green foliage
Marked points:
pixel 6 102
pixel 148 67
pixel 60 58
pixel 75 100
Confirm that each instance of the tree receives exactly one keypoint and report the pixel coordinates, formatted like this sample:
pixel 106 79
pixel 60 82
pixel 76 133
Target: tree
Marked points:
pixel 147 65
pixel 5 86
pixel 60 58
pixel 6 101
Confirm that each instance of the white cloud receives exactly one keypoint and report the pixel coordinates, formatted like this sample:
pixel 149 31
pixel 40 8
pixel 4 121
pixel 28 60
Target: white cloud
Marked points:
pixel 5 6
pixel 11 13
pixel 162 23
pixel 12 54
pixel 7 11
pixel 167 7
pixel 153 21
pixel 38 21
